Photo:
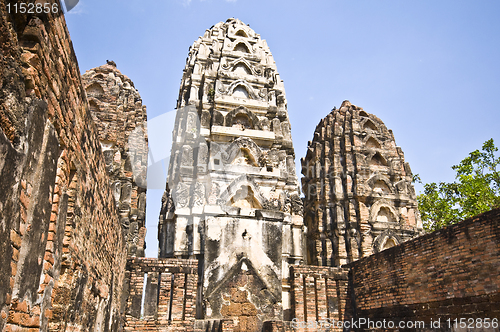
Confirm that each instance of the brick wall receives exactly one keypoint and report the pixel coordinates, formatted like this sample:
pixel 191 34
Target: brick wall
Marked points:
pixel 451 273
pixel 318 293
pixel 168 300
pixel 62 254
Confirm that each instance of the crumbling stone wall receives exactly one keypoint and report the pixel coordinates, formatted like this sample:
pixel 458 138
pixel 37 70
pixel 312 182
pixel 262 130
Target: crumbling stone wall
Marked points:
pixel 451 273
pixel 121 119
pixel 359 198
pixel 320 294
pixel 62 254
pixel 168 300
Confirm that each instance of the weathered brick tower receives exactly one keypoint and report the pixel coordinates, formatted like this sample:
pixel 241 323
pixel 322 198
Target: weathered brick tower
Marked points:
pixel 117 110
pixel 359 197
pixel 232 197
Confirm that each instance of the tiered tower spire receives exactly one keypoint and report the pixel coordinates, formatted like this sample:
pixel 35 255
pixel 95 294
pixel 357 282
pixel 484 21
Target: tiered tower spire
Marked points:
pixel 232 197
pixel 359 196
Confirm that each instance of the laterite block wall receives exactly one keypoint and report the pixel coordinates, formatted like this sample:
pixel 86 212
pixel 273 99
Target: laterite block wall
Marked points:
pixel 451 273
pixel 168 300
pixel 319 293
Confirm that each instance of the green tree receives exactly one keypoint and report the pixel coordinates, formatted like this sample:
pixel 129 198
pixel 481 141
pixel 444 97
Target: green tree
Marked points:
pixel 476 190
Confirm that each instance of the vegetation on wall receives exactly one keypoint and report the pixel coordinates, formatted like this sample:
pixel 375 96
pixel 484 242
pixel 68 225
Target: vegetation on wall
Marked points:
pixel 476 189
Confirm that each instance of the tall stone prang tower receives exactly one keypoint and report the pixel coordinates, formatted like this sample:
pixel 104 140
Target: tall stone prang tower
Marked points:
pixel 358 189
pixel 232 198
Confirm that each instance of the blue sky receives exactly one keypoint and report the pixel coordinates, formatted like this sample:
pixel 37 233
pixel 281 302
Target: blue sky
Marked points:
pixel 429 69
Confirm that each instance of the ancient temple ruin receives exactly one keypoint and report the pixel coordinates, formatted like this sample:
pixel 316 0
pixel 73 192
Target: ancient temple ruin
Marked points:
pixel 359 196
pixel 232 198
pixel 239 249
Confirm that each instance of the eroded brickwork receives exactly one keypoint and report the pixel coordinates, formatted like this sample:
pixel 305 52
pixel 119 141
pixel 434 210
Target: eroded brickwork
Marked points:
pixel 359 198
pixel 62 254
pixel 168 300
pixel 319 294
pixel 451 273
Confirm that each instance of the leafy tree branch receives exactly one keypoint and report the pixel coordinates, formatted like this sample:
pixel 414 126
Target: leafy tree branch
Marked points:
pixel 476 189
